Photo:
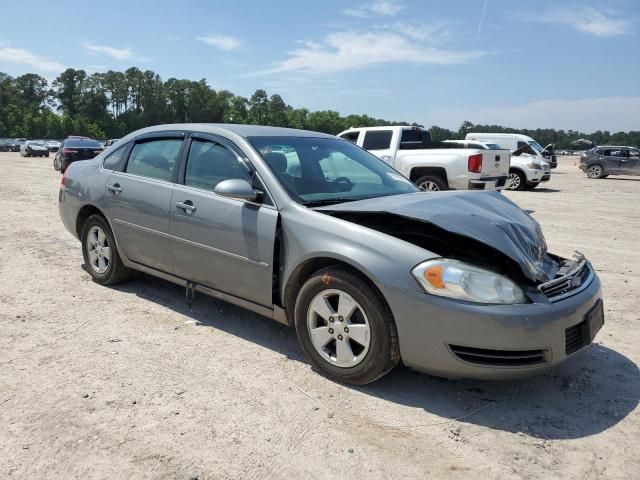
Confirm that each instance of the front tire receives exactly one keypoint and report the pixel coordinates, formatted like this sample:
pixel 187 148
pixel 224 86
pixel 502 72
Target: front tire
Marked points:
pixel 101 254
pixel 345 327
pixel 595 171
pixel 517 180
pixel 431 183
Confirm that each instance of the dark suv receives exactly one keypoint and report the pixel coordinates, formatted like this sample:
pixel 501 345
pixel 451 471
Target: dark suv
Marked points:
pixel 600 162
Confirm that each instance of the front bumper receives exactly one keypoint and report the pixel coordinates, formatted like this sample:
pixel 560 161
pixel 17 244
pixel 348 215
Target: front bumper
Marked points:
pixel 431 329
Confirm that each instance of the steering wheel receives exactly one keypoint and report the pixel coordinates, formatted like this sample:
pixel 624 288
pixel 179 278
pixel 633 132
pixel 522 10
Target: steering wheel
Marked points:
pixel 345 181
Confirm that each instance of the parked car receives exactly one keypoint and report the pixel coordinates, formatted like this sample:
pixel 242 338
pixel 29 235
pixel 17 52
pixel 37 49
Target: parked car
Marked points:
pixel 524 172
pixel 53 145
pixel 15 144
pixel 331 240
pixel 529 166
pixel 433 166
pixel 515 141
pixel 110 142
pixel 608 160
pixel 74 149
pixel 34 148
pixel 5 145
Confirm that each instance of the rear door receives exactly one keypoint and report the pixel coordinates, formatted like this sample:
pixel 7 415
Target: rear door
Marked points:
pixel 379 142
pixel 222 243
pixel 139 198
pixel 633 162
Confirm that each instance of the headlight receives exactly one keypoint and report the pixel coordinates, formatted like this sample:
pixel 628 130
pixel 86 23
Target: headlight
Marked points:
pixel 455 279
pixel 534 166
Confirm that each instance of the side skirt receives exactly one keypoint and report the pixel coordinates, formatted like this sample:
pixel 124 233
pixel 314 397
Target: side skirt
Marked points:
pixel 274 313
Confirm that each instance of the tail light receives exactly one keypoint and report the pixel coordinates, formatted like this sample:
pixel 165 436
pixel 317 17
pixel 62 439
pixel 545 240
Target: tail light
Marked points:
pixel 63 182
pixel 69 151
pixel 475 163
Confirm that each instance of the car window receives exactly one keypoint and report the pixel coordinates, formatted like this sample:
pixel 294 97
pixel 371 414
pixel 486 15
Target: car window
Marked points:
pixel 76 143
pixel 338 165
pixel 412 139
pixel 329 170
pixel 618 153
pixel 210 163
pixel 155 158
pixel 113 159
pixel 634 153
pixel 377 139
pixel 351 136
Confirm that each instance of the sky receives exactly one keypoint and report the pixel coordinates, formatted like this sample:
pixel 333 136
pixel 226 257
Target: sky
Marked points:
pixel 525 64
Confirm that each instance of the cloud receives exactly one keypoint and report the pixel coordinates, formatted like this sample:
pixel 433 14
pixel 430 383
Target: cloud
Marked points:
pixel 587 115
pixel 587 20
pixel 117 53
pixel 386 8
pixel 482 14
pixel 353 50
pixel 20 55
pixel 221 42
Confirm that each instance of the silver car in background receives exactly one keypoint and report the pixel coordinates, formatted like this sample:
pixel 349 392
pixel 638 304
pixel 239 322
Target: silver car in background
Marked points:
pixel 316 233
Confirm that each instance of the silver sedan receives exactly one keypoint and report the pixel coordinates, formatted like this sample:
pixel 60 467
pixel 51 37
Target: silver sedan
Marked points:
pixel 318 234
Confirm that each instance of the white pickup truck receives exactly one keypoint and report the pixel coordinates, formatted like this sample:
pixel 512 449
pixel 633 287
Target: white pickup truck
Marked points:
pixel 431 165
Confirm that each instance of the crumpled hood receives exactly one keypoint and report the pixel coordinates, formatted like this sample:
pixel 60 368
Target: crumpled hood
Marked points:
pixel 487 217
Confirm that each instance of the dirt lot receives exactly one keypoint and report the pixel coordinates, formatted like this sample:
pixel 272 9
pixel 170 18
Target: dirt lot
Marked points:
pixel 126 382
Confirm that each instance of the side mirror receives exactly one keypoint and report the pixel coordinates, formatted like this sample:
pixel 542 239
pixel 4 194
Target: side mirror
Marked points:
pixel 237 188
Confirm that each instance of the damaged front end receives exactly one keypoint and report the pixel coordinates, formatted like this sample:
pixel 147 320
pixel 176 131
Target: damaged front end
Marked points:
pixel 482 229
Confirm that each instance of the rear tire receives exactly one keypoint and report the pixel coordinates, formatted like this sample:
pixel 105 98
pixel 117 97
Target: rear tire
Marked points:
pixel 100 252
pixel 339 353
pixel 431 183
pixel 517 180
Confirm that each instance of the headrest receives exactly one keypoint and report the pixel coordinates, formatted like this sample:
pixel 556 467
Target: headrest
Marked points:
pixel 277 161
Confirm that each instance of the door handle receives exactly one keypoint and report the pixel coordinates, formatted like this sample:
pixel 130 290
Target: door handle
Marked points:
pixel 187 206
pixel 115 188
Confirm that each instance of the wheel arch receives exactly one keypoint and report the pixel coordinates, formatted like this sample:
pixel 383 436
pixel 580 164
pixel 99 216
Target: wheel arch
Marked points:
pixel 417 172
pixel 305 269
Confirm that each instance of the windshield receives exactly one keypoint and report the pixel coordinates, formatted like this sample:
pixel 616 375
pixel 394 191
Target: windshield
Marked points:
pixel 82 144
pixel 536 146
pixel 35 144
pixel 318 171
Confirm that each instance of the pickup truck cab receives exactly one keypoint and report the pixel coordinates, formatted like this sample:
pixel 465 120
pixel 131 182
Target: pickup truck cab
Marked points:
pixel 433 166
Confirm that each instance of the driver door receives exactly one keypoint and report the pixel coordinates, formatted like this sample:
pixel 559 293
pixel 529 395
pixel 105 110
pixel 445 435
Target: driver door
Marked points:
pixel 222 243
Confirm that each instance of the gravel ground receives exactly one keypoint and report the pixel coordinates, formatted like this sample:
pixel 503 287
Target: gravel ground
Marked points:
pixel 126 382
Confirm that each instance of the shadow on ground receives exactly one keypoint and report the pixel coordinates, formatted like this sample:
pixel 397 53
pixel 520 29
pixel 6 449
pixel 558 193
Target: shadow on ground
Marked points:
pixel 585 396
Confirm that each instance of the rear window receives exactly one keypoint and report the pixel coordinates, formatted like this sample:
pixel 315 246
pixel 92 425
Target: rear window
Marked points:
pixel 415 139
pixel 377 140
pixel 82 144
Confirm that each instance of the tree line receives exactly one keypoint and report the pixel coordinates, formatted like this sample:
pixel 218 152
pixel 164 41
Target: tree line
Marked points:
pixel 112 104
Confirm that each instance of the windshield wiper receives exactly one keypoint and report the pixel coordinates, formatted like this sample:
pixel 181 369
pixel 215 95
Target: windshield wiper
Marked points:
pixel 327 201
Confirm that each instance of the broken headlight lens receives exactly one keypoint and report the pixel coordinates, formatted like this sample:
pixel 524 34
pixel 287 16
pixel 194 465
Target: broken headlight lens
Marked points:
pixel 455 279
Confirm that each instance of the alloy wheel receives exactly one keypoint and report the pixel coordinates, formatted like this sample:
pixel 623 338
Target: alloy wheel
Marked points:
pixel 98 250
pixel 338 328
pixel 429 186
pixel 594 171
pixel 514 181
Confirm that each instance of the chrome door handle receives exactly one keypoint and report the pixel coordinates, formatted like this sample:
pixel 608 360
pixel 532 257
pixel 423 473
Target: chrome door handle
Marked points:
pixel 187 207
pixel 115 188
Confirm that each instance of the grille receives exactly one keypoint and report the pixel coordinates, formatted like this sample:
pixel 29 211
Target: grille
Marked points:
pixel 576 337
pixel 500 358
pixel 567 284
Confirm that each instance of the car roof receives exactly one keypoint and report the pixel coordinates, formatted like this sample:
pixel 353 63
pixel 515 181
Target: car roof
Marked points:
pixel 614 146
pixel 241 130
